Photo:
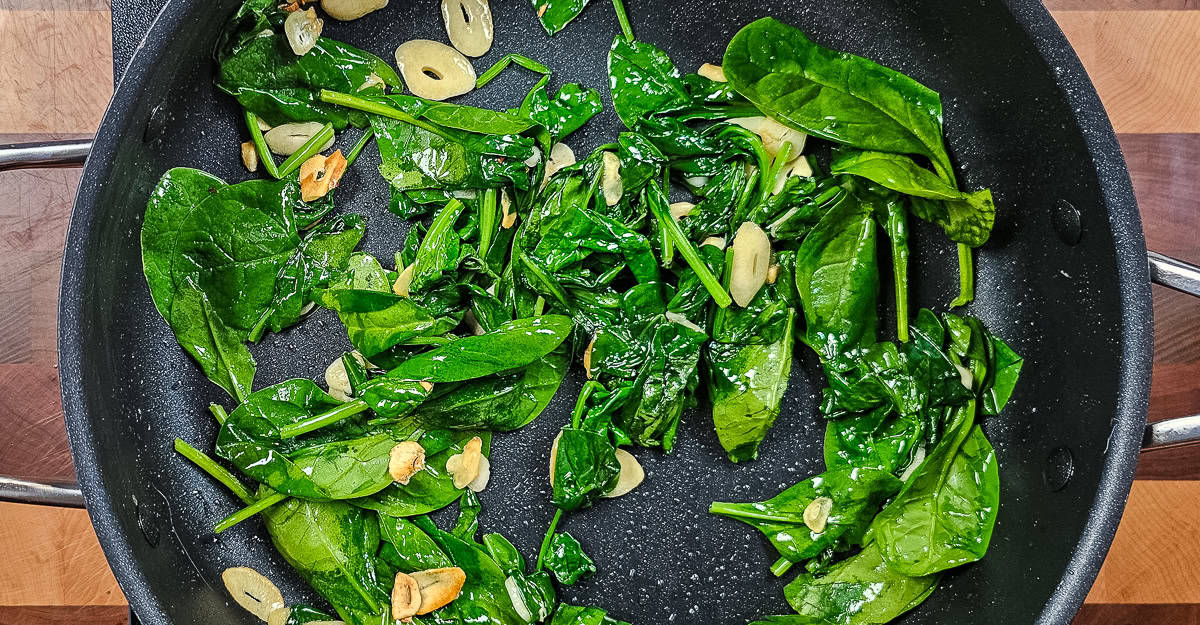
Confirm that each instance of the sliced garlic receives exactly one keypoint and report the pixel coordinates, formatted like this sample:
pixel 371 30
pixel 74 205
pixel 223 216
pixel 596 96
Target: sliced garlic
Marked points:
pixel 611 185
pixel 712 72
pixel 469 25
pixel 534 158
pixel 434 70
pixel 773 134
pixel 508 217
pixel 965 375
pixel 439 587
pixel 917 459
pixel 717 242
pixel 561 155
pixel 406 597
pixel 472 323
pixel 772 274
pixel 697 182
pixel 631 475
pixel 249 156
pixel 554 456
pixel 321 174
pixel 373 80
pixel 303 28
pixel 751 259
pixel 337 380
pixel 279 616
pixel 517 596
pixel 485 475
pixel 675 317
pixel 464 467
pixel 681 209
pixel 346 10
pixel 287 139
pixel 406 459
pixel 801 167
pixel 251 590
pixel 587 358
pixel 404 281
pixel 816 513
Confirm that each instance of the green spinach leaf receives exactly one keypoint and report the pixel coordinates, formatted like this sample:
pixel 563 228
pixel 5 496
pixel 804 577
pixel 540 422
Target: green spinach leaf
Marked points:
pixel 432 488
pixel 857 591
pixel 585 467
pixel 567 560
pixel 642 80
pixel 514 344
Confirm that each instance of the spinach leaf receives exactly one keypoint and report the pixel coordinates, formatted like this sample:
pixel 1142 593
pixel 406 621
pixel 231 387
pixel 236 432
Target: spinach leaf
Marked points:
pixel 896 226
pixel 467 525
pixel 332 545
pixel 514 344
pixel 835 95
pixel 430 489
pixel 837 277
pixel 570 108
pixel 502 402
pixel 857 591
pixel 747 383
pixel 566 614
pixel 459 116
pixel 556 14
pixel 878 439
pixel 504 553
pixel 269 80
pixel 415 157
pixel 301 614
pixel 408 548
pixel 567 560
pixel 216 347
pixel 945 514
pixel 439 250
pixel 966 217
pixel 484 597
pixel 1005 369
pixel 341 461
pixel 585 467
pixel 856 496
pixel 642 80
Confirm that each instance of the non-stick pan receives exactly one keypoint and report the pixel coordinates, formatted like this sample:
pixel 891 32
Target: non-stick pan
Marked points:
pixel 1064 280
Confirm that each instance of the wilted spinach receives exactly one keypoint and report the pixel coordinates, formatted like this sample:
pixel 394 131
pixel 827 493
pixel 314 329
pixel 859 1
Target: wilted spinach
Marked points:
pixel 567 560
pixel 859 590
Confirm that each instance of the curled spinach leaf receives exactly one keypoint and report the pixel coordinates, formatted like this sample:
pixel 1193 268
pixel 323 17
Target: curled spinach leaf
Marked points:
pixel 567 560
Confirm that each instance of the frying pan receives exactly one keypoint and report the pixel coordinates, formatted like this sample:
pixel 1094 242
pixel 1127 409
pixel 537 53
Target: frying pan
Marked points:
pixel 1064 280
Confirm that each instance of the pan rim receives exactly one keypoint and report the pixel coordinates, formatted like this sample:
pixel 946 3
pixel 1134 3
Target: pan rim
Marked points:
pixel 1116 190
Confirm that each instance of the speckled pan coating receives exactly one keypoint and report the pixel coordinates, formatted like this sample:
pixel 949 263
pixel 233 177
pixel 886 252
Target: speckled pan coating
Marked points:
pixel 1021 118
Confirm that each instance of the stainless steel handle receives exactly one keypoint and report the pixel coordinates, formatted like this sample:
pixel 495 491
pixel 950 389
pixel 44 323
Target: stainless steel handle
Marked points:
pixel 69 153
pixel 1183 277
pixel 25 491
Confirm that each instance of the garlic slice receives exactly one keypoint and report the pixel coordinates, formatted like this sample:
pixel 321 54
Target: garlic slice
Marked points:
pixel 321 174
pixel 751 260
pixel 439 587
pixel 249 156
pixel 404 281
pixel 611 185
pixel 816 513
pixel 434 70
pixel 469 25
pixel 464 467
pixel 485 475
pixel 712 72
pixel 773 134
pixel 406 597
pixel 287 139
pixel 681 209
pixel 253 591
pixel 346 10
pixel 302 29
pixel 406 459
pixel 337 380
pixel 717 242
pixel 561 155
pixel 631 475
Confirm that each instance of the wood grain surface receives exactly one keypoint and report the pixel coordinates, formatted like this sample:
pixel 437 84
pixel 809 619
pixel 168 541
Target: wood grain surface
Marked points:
pixel 1144 56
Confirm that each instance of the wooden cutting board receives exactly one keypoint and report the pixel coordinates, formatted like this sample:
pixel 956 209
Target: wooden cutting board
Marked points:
pixel 1144 56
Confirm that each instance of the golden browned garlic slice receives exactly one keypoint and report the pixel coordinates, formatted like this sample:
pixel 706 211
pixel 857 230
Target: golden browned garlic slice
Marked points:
pixel 404 281
pixel 611 185
pixel 249 156
pixel 816 513
pixel 712 72
pixel 439 587
pixel 251 590
pixel 406 597
pixel 302 29
pixel 321 174
pixel 631 475
pixel 773 134
pixel 772 274
pixel 405 460
pixel 587 357
pixel 751 259
pixel 434 70
pixel 717 242
pixel 681 209
pixel 508 216
pixel 287 139
pixel 464 467
pixel 346 10
pixel 485 475
pixel 469 25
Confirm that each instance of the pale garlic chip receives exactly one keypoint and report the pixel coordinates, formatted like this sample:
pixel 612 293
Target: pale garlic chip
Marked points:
pixel 249 156
pixel 751 259
pixel 253 591
pixel 406 597
pixel 287 139
pixel 631 475
pixel 434 70
pixel 464 467
pixel 816 513
pixel 346 10
pixel 712 72
pixel 303 28
pixel 469 25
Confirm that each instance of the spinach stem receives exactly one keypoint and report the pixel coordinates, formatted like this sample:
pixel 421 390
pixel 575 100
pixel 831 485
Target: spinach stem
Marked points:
pixel 358 147
pixel 249 511
pixel 376 108
pixel 260 145
pixel 539 306
pixel 623 19
pixel 548 282
pixel 781 567
pixel 218 411
pixel 306 151
pixel 966 276
pixel 668 254
pixel 509 59
pixel 546 540
pixel 527 101
pixel 487 222
pixel 260 326
pixel 728 509
pixel 777 165
pixel 218 472
pixel 581 402
pixel 426 340
pixel 328 417
pixel 897 227
pixel 658 206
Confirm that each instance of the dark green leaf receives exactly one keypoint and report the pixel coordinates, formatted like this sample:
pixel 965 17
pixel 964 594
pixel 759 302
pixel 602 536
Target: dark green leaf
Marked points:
pixel 567 560
pixel 570 109
pixel 585 467
pixel 643 81
pixel 556 14
pixel 860 590
pixel 430 489
pixel 417 158
pixel 1005 370
pixel 410 548
pixel 515 344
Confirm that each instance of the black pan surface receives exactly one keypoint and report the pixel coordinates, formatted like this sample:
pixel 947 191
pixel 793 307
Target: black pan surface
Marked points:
pixel 1021 118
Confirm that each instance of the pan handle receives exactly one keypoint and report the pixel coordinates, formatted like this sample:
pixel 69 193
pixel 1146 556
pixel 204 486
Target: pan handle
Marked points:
pixel 25 491
pixel 69 153
pixel 1183 277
